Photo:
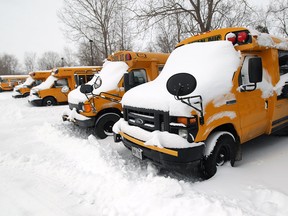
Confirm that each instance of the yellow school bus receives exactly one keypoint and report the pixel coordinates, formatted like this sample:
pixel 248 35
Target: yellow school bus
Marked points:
pixel 8 82
pixel 99 107
pixel 34 79
pixel 62 80
pixel 217 91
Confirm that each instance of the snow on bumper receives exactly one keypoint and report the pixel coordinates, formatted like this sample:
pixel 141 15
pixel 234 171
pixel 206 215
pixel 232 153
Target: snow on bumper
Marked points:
pixel 161 147
pixel 78 119
pixel 35 100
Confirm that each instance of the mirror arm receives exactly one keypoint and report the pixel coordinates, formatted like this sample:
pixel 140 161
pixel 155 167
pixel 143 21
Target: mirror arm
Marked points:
pixel 102 95
pixel 187 102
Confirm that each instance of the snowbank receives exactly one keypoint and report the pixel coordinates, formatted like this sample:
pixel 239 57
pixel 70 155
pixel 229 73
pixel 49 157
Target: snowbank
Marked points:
pixel 49 167
pixel 211 63
pixel 111 74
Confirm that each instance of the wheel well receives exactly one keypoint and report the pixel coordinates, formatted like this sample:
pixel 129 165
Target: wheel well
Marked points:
pixel 231 129
pixel 109 110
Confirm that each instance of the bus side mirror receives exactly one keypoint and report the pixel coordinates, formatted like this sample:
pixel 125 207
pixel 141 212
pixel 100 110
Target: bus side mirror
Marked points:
pixel 86 89
pixel 181 84
pixel 129 81
pixel 255 70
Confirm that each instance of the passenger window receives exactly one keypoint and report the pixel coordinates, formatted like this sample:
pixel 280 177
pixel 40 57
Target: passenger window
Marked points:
pixel 60 83
pixel 283 62
pixel 139 76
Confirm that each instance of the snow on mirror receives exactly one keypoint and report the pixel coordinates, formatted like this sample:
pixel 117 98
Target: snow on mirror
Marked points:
pixel 65 89
pixel 181 84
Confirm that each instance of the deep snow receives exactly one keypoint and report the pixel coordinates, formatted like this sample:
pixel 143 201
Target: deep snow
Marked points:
pixel 50 167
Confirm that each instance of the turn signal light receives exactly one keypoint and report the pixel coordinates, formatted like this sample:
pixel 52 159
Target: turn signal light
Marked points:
pixel 186 121
pixel 87 107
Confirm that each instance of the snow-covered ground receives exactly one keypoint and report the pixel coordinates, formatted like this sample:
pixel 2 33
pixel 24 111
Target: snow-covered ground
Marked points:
pixel 49 167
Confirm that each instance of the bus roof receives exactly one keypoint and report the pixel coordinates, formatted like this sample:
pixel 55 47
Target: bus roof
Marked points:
pixel 242 38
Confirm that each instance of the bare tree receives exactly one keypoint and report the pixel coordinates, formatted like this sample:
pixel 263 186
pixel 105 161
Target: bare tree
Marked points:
pixel 98 20
pixel 30 61
pixel 49 60
pixel 197 16
pixel 69 58
pixel 8 64
pixel 278 13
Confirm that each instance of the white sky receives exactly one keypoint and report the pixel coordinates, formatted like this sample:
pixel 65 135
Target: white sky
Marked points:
pixel 30 26
pixel 33 26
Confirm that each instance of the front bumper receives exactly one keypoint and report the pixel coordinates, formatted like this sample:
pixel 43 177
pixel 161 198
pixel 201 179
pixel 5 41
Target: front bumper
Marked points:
pixel 169 158
pixel 17 96
pixel 35 100
pixel 78 119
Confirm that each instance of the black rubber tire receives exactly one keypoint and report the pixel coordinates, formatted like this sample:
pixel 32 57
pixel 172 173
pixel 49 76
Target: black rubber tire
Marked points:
pixel 104 124
pixel 49 101
pixel 224 150
pixel 26 94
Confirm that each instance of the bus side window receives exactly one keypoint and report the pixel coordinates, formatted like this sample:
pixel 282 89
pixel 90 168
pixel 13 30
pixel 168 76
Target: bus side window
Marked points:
pixel 60 83
pixel 283 62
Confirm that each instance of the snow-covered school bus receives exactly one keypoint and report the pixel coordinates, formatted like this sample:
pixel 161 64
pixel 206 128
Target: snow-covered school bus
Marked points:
pixel 8 82
pixel 217 91
pixel 62 80
pixel 35 78
pixel 96 105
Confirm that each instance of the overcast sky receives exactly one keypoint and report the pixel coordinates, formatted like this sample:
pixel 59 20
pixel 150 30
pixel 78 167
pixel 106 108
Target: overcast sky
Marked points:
pixel 33 26
pixel 30 26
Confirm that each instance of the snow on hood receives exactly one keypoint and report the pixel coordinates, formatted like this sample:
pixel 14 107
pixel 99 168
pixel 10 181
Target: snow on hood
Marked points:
pixel 27 82
pixel 212 64
pixel 45 85
pixel 111 74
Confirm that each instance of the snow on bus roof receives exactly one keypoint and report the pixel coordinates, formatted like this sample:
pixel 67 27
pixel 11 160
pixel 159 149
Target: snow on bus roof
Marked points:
pixel 267 40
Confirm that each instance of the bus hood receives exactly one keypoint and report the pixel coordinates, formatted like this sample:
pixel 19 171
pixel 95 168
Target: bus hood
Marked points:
pixel 211 63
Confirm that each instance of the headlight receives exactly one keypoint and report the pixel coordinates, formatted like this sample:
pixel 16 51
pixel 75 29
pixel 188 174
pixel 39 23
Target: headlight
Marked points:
pixel 183 133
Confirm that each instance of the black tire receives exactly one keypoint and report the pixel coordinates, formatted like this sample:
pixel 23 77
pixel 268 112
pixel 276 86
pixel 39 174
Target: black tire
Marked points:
pixel 49 101
pixel 26 94
pixel 104 124
pixel 224 150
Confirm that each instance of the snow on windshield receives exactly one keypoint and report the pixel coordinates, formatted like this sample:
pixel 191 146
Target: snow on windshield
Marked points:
pixel 212 64
pixel 47 84
pixel 111 74
pixel 27 82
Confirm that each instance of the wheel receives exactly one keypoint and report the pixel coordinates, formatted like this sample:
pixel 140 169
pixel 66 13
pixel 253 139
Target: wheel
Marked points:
pixel 104 124
pixel 223 151
pixel 26 94
pixel 49 101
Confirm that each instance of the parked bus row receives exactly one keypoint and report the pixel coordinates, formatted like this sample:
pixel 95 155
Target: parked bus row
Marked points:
pixel 216 91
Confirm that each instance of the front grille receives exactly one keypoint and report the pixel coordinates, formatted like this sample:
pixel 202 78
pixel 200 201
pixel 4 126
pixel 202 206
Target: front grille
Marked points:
pixel 147 119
